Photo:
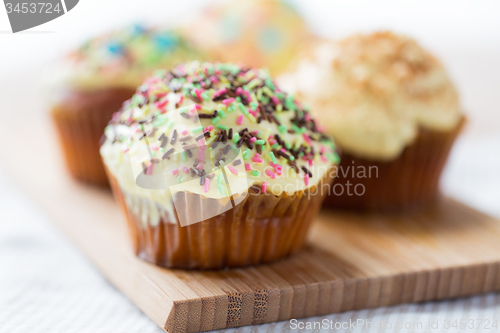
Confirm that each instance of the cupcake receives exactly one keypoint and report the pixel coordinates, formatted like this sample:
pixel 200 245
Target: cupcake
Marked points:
pixel 93 82
pixel 215 166
pixel 391 108
pixel 259 33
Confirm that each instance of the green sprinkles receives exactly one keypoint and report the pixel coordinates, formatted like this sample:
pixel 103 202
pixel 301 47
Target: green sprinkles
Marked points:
pixel 205 95
pixel 215 120
pixel 333 157
pixel 296 128
pixel 273 158
pixel 270 84
pixel 255 173
pixel 260 142
pixel 267 91
pixel 243 109
pixel 220 186
pixel 236 137
pixel 197 129
pixel 246 154
pixel 160 120
pixel 223 127
pixel 184 156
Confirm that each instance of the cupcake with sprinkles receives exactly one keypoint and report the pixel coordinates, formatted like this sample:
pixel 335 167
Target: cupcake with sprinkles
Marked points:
pixel 393 110
pixel 92 82
pixel 215 166
pixel 259 33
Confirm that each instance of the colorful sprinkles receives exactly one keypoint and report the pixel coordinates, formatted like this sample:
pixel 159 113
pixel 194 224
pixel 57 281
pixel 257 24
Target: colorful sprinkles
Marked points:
pixel 134 48
pixel 212 94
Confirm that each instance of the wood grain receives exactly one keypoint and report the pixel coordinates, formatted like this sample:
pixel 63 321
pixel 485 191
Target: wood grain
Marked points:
pixel 352 261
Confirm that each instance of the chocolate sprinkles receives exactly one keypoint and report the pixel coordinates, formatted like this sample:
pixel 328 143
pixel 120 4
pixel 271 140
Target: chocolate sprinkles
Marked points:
pixel 307 171
pixel 174 137
pixel 168 153
pixel 202 177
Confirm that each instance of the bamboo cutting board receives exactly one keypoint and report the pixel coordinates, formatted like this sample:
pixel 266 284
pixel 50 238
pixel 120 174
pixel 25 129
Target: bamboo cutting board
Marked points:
pixel 351 262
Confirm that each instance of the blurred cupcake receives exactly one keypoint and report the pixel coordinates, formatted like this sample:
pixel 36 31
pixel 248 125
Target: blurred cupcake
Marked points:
pixel 392 109
pixel 259 33
pixel 93 82
pixel 216 167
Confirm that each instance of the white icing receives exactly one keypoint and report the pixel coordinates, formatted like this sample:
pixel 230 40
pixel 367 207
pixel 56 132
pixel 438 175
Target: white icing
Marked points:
pixel 126 167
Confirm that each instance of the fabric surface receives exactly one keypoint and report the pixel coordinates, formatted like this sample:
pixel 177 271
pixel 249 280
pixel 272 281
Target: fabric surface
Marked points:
pixel 47 285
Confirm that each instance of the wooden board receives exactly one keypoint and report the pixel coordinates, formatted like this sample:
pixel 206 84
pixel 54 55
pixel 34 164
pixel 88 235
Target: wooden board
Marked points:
pixel 352 261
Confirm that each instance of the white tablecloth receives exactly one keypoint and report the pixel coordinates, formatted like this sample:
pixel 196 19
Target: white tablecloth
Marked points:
pixel 47 285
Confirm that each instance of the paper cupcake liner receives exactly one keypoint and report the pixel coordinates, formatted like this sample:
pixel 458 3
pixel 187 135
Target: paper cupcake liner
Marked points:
pixel 409 181
pixel 260 229
pixel 80 119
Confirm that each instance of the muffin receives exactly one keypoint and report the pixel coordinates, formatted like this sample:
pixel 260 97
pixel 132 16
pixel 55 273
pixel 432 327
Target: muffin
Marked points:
pixel 259 33
pixel 93 82
pixel 393 111
pixel 215 166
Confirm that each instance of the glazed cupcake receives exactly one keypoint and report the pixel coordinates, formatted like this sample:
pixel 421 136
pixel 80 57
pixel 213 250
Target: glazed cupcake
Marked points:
pixel 393 111
pixel 215 166
pixel 88 86
pixel 259 33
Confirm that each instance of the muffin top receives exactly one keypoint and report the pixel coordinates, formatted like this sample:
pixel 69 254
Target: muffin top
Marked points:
pixel 201 126
pixel 124 58
pixel 374 91
pixel 259 33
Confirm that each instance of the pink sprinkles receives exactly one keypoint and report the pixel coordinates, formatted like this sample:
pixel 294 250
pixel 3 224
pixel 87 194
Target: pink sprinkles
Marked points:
pixel 219 92
pixel 227 101
pixel 161 105
pixel 233 170
pixel 207 185
pixel 198 94
pixel 264 187
pixel 307 138
pixel 149 171
pixel 239 121
pixel 257 159
pixel 270 174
